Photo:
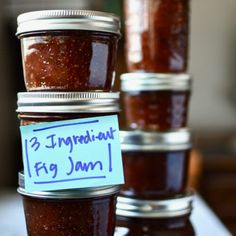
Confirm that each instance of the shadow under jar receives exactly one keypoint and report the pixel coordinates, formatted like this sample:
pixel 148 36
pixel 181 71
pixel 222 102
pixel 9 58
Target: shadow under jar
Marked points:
pixel 157 35
pixel 156 102
pixel 166 218
pixel 55 106
pixel 155 164
pixel 68 50
pixel 88 211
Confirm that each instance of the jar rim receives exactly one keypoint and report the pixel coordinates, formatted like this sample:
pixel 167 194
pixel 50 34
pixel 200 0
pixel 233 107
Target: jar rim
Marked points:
pixel 81 193
pixel 175 140
pixel 143 81
pixel 173 207
pixel 67 19
pixel 68 102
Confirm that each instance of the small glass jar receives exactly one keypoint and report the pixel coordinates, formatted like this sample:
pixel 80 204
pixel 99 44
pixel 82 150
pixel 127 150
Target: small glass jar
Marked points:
pixel 157 35
pixel 155 164
pixel 154 218
pixel 89 211
pixel 68 50
pixel 156 102
pixel 54 106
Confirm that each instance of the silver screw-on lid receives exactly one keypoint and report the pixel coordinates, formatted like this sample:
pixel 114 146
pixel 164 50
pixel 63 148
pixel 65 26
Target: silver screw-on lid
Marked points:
pixel 179 206
pixel 68 102
pixel 67 20
pixel 141 81
pixel 68 193
pixel 156 141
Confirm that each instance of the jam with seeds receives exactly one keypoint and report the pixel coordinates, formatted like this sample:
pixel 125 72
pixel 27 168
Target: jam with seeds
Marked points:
pixel 157 35
pixel 69 60
pixel 70 217
pixel 161 174
pixel 156 110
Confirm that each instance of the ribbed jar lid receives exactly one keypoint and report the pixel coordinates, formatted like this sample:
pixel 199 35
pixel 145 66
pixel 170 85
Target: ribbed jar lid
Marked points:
pixel 179 206
pixel 67 20
pixel 68 193
pixel 156 141
pixel 141 81
pixel 68 102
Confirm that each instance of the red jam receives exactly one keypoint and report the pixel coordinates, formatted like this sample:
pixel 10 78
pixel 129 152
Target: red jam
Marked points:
pixel 60 217
pixel 157 33
pixel 161 174
pixel 69 60
pixel 156 110
pixel 178 226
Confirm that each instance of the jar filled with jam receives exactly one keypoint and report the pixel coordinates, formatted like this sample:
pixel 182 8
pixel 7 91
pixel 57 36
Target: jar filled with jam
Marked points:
pixel 68 50
pixel 154 218
pixel 87 211
pixel 155 164
pixel 54 106
pixel 156 102
pixel 157 35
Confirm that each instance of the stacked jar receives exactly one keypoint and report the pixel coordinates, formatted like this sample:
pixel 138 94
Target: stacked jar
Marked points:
pixel 68 62
pixel 157 144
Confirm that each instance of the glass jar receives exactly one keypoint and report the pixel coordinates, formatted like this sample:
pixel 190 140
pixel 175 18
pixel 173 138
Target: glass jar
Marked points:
pixel 156 102
pixel 89 211
pixel 157 35
pixel 154 218
pixel 68 50
pixel 155 164
pixel 54 106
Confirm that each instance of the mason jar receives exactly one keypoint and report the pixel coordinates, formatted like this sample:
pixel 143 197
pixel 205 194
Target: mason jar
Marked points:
pixel 68 50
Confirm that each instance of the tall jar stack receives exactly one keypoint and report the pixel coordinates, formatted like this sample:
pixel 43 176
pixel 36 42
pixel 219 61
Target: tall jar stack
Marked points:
pixel 157 143
pixel 68 62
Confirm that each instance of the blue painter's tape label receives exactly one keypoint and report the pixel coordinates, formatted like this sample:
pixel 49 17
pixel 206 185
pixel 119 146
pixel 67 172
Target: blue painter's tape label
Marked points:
pixel 77 153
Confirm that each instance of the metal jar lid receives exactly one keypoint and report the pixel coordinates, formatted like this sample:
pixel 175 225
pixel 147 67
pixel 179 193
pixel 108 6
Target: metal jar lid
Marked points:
pixel 68 193
pixel 141 81
pixel 156 141
pixel 176 207
pixel 67 20
pixel 68 102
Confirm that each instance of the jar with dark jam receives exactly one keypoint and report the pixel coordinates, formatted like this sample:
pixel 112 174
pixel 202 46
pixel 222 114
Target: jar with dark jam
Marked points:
pixel 154 218
pixel 54 106
pixel 155 102
pixel 68 50
pixel 157 35
pixel 155 164
pixel 89 211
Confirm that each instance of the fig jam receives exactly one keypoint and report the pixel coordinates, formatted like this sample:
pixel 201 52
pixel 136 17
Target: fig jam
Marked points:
pixel 156 102
pixel 68 50
pixel 161 161
pixel 69 61
pixel 62 217
pixel 160 174
pixel 85 211
pixel 156 110
pixel 157 35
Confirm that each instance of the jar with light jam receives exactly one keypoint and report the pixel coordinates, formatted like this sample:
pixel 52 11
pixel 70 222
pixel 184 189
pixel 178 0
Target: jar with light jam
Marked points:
pixel 156 102
pixel 157 35
pixel 87 211
pixel 154 218
pixel 155 164
pixel 68 50
pixel 54 106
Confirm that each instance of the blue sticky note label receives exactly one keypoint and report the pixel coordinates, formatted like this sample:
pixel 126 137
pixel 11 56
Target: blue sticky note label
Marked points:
pixel 69 154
